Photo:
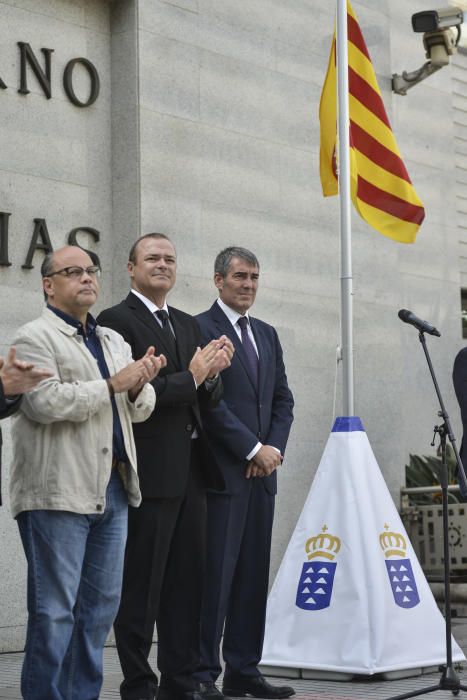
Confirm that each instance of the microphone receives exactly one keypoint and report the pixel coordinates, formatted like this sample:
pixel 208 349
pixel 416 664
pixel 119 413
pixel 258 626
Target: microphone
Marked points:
pixel 422 326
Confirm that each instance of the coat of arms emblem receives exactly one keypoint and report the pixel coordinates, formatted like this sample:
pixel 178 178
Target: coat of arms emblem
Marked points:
pixel 399 568
pixel 315 585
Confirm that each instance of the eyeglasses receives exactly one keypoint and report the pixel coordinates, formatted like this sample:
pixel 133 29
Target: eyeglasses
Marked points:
pixel 76 272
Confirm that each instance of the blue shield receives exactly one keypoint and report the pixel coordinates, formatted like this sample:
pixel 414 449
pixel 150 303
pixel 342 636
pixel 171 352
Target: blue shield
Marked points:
pixel 315 586
pixel 401 578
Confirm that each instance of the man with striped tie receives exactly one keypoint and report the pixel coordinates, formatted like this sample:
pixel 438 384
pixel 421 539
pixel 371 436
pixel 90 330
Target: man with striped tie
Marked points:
pixel 248 431
pixel 164 561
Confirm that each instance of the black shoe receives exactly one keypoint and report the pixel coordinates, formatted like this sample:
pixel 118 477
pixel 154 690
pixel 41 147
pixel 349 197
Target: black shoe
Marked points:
pixel 257 686
pixel 170 694
pixel 210 691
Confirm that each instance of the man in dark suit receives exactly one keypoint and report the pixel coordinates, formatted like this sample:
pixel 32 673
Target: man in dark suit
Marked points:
pixel 16 378
pixel 165 554
pixel 459 376
pixel 248 431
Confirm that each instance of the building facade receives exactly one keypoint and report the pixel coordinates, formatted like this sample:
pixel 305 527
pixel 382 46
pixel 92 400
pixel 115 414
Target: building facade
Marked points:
pixel 199 118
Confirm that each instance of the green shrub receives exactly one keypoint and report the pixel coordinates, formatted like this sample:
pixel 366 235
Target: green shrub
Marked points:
pixel 425 471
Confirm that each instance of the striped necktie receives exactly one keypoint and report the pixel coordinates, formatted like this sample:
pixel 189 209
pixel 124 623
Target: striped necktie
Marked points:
pixel 167 332
pixel 249 348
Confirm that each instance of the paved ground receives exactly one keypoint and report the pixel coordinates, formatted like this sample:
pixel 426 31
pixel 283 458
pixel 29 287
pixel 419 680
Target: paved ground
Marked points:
pixel 368 689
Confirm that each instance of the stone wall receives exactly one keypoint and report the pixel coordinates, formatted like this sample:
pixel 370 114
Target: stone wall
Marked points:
pixel 206 128
pixel 55 164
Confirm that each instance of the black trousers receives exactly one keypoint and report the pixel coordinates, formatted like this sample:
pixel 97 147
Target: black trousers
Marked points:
pixel 239 546
pixel 163 584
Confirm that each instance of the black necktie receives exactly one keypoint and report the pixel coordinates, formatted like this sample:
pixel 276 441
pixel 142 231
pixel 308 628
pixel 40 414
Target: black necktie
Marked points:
pixel 249 348
pixel 169 337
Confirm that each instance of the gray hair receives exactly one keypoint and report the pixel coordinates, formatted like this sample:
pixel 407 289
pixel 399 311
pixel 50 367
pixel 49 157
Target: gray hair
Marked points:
pixel 48 261
pixel 224 258
pixel 47 266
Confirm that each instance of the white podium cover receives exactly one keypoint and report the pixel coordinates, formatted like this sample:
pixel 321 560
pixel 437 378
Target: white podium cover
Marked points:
pixel 350 595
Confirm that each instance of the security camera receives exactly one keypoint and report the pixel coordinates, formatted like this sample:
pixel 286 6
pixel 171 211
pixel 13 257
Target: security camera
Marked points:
pixel 440 44
pixel 441 34
pixel 439 39
pixel 435 20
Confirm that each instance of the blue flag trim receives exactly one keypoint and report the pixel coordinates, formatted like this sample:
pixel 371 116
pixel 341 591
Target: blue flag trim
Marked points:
pixel 348 424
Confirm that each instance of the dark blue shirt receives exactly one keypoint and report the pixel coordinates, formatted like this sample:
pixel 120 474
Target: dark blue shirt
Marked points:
pixel 94 346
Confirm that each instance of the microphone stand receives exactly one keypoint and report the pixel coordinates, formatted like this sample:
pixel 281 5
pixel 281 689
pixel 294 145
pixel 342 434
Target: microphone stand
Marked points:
pixel 449 679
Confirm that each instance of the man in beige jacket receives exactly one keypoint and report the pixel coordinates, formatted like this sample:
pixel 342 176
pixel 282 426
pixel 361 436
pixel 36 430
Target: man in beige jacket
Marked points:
pixel 72 477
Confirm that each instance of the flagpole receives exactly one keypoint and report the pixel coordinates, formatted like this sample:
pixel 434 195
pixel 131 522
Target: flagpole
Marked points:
pixel 345 210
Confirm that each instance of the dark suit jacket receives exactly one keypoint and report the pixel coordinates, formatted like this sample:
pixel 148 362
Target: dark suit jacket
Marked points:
pixel 163 442
pixel 6 409
pixel 247 415
pixel 459 376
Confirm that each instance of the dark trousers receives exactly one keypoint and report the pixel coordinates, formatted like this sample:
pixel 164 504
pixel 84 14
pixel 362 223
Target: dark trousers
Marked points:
pixel 163 585
pixel 237 574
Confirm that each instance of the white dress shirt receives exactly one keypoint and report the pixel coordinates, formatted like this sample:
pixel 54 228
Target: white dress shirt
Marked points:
pixel 233 317
pixel 209 383
pixel 153 308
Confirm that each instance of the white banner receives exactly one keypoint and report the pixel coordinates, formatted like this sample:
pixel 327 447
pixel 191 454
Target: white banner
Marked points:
pixel 350 595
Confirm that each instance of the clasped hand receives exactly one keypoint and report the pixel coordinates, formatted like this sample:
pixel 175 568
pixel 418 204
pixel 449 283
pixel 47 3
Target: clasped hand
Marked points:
pixel 265 461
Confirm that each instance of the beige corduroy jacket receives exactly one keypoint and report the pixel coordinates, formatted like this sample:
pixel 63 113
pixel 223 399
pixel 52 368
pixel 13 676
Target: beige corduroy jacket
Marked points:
pixel 62 434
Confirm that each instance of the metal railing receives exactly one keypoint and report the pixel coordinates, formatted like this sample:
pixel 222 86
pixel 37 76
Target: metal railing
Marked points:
pixel 423 523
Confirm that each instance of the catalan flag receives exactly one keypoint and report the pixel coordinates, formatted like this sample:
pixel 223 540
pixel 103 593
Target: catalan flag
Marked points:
pixel 381 189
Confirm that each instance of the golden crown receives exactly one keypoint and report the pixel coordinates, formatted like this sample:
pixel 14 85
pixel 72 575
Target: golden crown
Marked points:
pixel 323 545
pixel 392 543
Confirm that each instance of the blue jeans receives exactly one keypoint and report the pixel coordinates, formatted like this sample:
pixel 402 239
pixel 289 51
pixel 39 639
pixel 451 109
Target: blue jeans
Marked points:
pixel 75 565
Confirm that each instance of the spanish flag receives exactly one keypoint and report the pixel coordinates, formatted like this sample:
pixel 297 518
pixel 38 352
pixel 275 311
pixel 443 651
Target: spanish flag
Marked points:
pixel 381 189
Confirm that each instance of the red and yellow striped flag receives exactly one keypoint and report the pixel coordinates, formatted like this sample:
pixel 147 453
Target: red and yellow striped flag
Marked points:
pixel 381 189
